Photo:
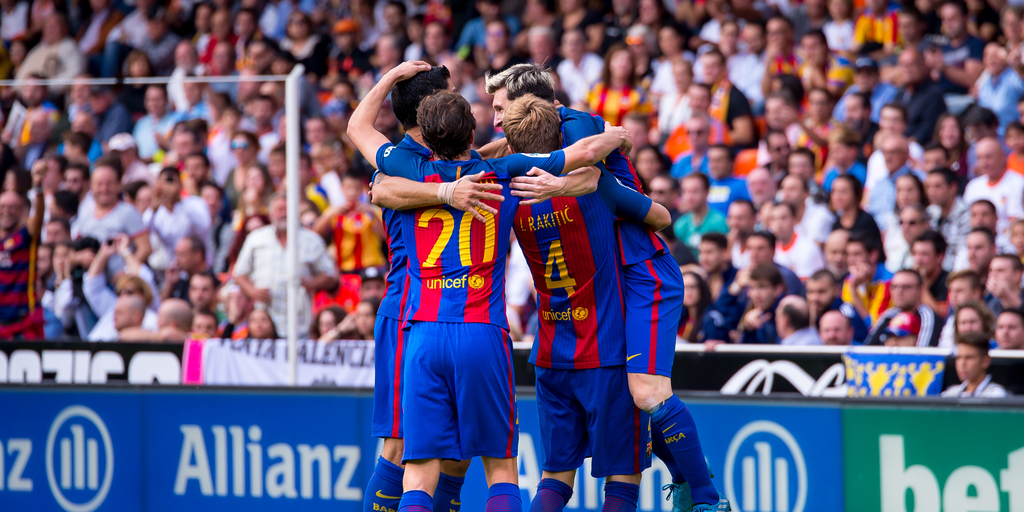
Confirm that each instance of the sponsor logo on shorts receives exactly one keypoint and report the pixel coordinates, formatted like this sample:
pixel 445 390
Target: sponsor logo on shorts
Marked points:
pixel 579 314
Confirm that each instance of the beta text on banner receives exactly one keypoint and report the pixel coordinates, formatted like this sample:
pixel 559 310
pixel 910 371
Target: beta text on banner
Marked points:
pixel 339 363
pixel 881 374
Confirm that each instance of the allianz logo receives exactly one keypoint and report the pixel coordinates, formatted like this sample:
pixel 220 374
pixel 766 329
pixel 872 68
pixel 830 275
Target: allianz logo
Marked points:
pixel 237 463
pixel 968 487
pixel 765 469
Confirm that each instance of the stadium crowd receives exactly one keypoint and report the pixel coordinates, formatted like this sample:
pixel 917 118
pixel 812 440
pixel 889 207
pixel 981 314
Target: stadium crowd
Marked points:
pixel 838 172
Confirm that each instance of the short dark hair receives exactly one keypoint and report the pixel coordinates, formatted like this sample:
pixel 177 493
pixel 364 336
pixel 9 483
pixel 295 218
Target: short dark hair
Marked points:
pixel 66 200
pixel 804 152
pixel 912 273
pixel 196 244
pixel 1017 312
pixel 716 238
pixel 1013 259
pixel 936 146
pixel 723 147
pixel 764 235
pixel 203 158
pixel 936 239
pixel 665 175
pixel 766 272
pixel 987 204
pixel 203 275
pixel 824 274
pixel 855 186
pixel 869 242
pixel 989 235
pixel 132 188
pixel 446 123
pixel 407 95
pixel 745 202
pixel 783 204
pixel 976 339
pixel 971 276
pixel 112 161
pixel 947 174
pixel 864 97
pixel 817 34
pixel 701 177
pixel 899 107
pixel 1015 126
pixel 977 115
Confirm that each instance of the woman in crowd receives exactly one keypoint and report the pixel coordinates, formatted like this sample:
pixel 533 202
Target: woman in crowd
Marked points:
pixel 619 93
pixel 696 300
pixel 261 326
pixel 973 316
pixel 133 96
pixel 303 43
pixel 257 191
pixel 949 132
pixel 909 192
pixel 246 148
pixel 140 195
pixel 326 324
pixel 845 200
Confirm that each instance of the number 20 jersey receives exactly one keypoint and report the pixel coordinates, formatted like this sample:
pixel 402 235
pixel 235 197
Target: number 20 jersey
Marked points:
pixel 456 263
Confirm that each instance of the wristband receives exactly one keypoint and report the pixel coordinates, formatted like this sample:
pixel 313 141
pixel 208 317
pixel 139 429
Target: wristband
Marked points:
pixel 446 190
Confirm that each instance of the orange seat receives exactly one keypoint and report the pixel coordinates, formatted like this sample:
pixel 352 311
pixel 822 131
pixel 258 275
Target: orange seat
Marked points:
pixel 746 161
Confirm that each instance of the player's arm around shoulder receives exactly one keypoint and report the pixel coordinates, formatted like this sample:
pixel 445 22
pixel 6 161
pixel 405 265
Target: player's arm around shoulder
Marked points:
pixel 466 194
pixel 360 125
pixel 593 149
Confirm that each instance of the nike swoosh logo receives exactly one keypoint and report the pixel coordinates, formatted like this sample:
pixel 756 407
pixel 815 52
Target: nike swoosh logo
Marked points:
pixel 457 503
pixel 631 357
pixel 382 495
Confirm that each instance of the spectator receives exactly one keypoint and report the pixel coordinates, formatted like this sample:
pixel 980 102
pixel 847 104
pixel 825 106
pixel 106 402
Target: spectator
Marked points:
pixel 948 212
pixel 698 218
pixel 959 65
pixel 835 253
pixel 903 331
pixel 714 259
pixel 1010 330
pixel 844 149
pixel 20 316
pixel 765 291
pixel 883 196
pixel 973 316
pixel 799 254
pixel 741 220
pixel 972 363
pixel 928 251
pixel 177 217
pixel 792 323
pixel 1003 283
pixel 892 125
pixel 993 182
pixel 174 321
pixel 56 56
pixel 128 317
pixel 949 133
pixel 189 260
pixel 865 81
pixel 746 68
pixel 111 216
pixel 728 104
pixel 325 326
pixel 112 117
pixel 305 45
pixel 999 87
pixel 979 251
pixel 695 159
pixel 258 269
pixel 357 229
pixel 724 187
pixel 835 329
pixel 867 286
pixel 674 107
pixel 913 221
pixel 204 324
pixel 107 327
pixel 618 93
pixel 812 220
pixel 221 235
pixel 823 291
pixel 122 146
pixel 906 288
pixel 153 132
pixel 858 120
pixel 696 301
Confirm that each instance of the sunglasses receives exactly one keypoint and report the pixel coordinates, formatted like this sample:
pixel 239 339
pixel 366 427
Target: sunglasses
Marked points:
pixel 129 291
pixel 239 144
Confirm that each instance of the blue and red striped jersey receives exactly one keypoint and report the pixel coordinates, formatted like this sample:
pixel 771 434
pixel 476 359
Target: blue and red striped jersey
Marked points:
pixel 570 245
pixel 393 302
pixel 636 242
pixel 17 276
pixel 457 264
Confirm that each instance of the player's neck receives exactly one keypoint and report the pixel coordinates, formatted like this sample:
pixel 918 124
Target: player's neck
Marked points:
pixel 415 134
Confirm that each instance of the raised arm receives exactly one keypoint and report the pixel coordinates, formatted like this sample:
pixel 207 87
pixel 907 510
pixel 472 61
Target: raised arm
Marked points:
pixel 360 125
pixel 35 224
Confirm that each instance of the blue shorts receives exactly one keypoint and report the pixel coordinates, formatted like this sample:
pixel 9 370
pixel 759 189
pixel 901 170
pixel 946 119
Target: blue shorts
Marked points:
pixel 654 302
pixel 590 413
pixel 460 395
pixel 389 345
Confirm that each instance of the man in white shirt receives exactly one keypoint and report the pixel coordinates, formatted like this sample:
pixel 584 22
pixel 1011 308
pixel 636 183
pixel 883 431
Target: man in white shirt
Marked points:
pixel 260 268
pixel 793 324
pixel 746 70
pixel 972 362
pixel 1005 189
pixel 813 221
pixel 797 253
pixel 580 70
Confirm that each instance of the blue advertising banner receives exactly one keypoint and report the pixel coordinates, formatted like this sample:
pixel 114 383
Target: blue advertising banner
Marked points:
pixel 169 450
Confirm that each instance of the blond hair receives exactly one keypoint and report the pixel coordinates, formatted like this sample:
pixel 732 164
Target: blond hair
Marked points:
pixel 532 125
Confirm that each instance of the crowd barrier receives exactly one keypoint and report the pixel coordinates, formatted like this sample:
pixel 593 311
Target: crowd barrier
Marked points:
pixel 730 369
pixel 162 448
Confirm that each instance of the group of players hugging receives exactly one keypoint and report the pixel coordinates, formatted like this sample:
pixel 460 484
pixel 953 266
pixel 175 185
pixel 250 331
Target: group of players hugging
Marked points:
pixel 609 297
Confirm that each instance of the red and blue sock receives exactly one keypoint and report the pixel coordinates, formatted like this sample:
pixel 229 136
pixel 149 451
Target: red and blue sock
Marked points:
pixel 675 423
pixel 620 497
pixel 448 496
pixel 416 501
pixel 384 490
pixel 552 495
pixel 503 498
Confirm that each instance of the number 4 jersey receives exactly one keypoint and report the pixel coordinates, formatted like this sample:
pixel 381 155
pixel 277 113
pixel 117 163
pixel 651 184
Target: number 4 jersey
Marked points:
pixel 457 263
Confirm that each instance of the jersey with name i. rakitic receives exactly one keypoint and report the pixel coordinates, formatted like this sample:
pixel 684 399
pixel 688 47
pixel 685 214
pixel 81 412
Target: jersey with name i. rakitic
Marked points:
pixel 636 242
pixel 456 263
pixel 570 245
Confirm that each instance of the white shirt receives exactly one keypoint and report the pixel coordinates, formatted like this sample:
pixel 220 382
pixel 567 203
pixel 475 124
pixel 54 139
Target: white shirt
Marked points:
pixel 673 110
pixel 133 27
pixel 839 35
pixel 746 71
pixel 14 24
pixel 578 80
pixel 1007 195
pixel 802 256
pixel 740 258
pixel 92 33
pixel 191 216
pixel 664 80
pixel 987 389
pixel 104 329
pixel 262 260
pixel 816 223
